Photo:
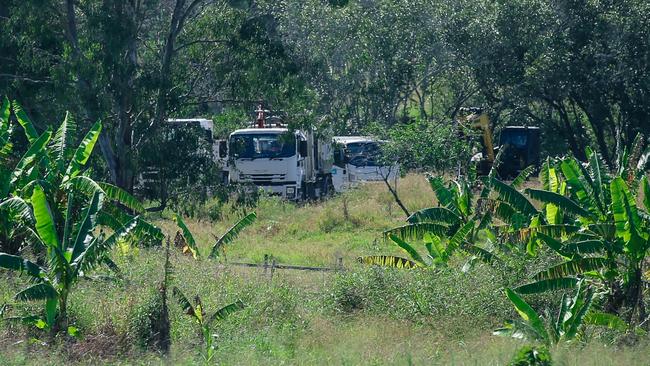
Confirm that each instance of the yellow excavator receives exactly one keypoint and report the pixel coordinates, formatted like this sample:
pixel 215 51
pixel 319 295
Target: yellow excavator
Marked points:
pixel 520 144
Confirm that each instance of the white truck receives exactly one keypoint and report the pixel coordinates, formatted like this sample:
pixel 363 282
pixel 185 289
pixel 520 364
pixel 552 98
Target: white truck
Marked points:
pixel 358 159
pixel 294 164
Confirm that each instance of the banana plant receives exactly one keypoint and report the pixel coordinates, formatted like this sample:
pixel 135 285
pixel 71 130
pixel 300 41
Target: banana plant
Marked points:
pixel 574 313
pixel 592 221
pixel 189 245
pixel 55 164
pixel 205 321
pixel 73 248
pixel 452 226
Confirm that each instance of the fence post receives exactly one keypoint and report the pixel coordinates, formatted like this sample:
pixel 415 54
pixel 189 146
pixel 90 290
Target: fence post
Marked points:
pixel 266 263
pixel 339 263
pixel 272 268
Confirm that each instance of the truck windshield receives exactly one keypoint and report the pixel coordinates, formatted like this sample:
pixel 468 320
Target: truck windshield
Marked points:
pixel 363 153
pixel 256 146
pixel 516 138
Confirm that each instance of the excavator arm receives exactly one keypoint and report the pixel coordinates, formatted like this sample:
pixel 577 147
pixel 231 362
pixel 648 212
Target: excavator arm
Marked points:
pixel 475 118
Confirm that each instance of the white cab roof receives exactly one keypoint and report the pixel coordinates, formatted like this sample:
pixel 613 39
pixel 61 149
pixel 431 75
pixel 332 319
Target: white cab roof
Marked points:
pixel 351 139
pixel 204 123
pixel 248 131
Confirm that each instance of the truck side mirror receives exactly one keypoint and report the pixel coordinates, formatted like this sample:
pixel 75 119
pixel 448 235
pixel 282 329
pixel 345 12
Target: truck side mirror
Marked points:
pixel 302 148
pixel 223 148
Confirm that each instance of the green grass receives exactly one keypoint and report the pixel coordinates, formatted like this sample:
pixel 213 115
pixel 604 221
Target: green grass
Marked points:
pixel 314 234
pixel 362 315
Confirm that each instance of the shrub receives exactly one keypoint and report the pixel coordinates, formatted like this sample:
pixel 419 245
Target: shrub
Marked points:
pixel 532 356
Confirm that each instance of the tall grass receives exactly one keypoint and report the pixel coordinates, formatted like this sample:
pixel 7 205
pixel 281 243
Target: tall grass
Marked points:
pixel 358 316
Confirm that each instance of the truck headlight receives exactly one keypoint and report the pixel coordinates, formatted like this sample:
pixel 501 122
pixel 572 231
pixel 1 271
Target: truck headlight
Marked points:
pixel 291 192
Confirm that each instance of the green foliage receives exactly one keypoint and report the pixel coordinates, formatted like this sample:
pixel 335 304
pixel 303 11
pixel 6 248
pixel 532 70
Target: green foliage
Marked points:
pixel 54 206
pixel 532 356
pixel 232 233
pixel 597 227
pixel 446 229
pixel 387 261
pixel 228 237
pixel 144 319
pixel 566 326
pixel 205 321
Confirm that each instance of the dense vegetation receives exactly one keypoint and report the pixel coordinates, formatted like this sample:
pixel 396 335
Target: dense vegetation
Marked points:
pixel 577 69
pixel 89 273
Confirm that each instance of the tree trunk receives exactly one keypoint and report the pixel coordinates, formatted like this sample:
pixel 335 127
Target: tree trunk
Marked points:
pixel 393 191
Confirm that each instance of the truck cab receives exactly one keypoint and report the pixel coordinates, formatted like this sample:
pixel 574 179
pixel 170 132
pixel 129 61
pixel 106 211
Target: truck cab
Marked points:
pixel 294 164
pixel 358 159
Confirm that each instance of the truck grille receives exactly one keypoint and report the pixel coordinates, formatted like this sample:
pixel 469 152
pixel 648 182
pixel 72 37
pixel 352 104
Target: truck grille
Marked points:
pixel 264 179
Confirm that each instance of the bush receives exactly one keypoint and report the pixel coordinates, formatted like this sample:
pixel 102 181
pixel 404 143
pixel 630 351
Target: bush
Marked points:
pixel 146 322
pixel 422 296
pixel 532 356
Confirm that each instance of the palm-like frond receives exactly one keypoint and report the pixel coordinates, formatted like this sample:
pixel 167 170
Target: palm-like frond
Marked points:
pixel 387 261
pixel 443 194
pixel 18 263
pixel 85 231
pixel 572 267
pixel 529 315
pixel 83 151
pixel 482 254
pixel 189 238
pixel 24 121
pixel 580 308
pixel 440 215
pixel 547 285
pixel 5 112
pixel 99 247
pixel 605 320
pixel 39 291
pixel 183 302
pixel 63 139
pixel 578 183
pixel 554 244
pixel 504 212
pixel 410 250
pixel 522 177
pixel 513 197
pixel 598 170
pixel 555 231
pixel 624 208
pixel 35 151
pixel 43 216
pixel 460 236
pixel 232 233
pixel 121 196
pixel 584 247
pixel 417 231
pixel 564 203
pixel 226 311
pixel 646 192
pixel 19 207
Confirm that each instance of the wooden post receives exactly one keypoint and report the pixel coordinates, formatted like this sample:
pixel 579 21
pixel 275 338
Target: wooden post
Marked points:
pixel 339 263
pixel 266 263
pixel 272 268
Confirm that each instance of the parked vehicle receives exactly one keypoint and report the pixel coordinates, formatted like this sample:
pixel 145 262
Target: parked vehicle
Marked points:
pixel 359 159
pixel 295 164
pixel 520 144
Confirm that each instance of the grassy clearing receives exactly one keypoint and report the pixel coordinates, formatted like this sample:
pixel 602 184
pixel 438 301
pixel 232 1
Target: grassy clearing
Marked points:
pixel 315 233
pixel 360 316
